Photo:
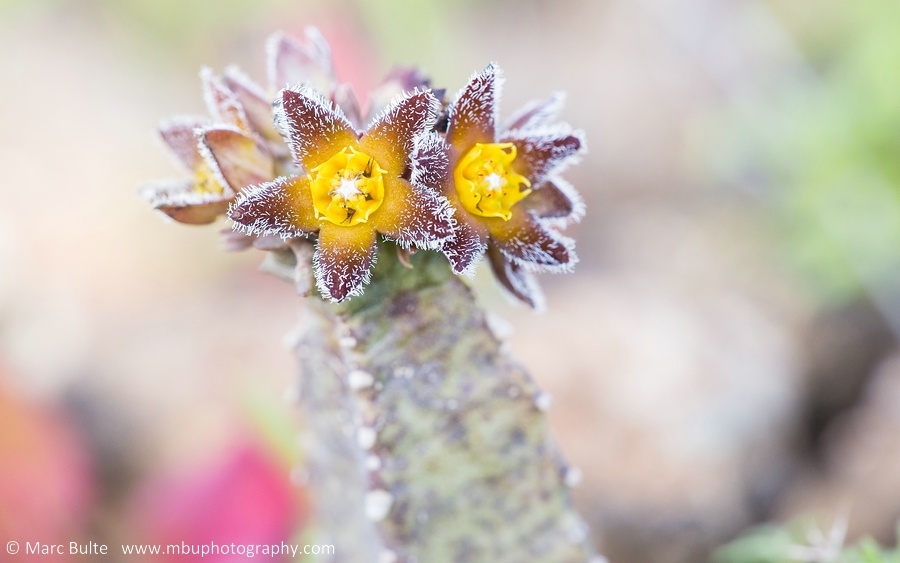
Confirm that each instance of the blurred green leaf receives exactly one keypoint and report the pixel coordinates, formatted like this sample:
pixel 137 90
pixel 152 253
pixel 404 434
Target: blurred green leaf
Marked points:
pixel 775 544
pixel 828 143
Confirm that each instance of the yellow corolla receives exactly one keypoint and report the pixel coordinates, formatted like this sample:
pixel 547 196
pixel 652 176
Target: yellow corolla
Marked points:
pixel 486 184
pixel 347 188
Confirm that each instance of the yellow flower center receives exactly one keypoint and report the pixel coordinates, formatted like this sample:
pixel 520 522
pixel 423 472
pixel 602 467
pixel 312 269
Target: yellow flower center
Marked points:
pixel 347 188
pixel 205 181
pixel 486 183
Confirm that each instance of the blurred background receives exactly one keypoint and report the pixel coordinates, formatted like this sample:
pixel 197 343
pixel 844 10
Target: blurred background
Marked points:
pixel 725 354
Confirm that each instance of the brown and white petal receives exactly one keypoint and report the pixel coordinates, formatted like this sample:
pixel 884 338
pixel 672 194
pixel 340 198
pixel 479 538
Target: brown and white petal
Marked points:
pixel 520 283
pixel 467 245
pixel 223 104
pixel 391 137
pixel 540 152
pixel 240 159
pixel 283 207
pixel 525 241
pixel 473 116
pixel 179 200
pixel 413 216
pixel 430 163
pixel 431 170
pixel 316 130
pixel 178 134
pixel 255 102
pixel 343 259
pixel 556 200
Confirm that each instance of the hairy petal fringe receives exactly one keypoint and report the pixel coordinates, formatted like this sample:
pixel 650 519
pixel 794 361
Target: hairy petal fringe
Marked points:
pixel 473 115
pixel 240 159
pixel 519 283
pixel 281 207
pixel 531 243
pixel 394 131
pixel 546 150
pixel 314 127
pixel 343 261
pixel 178 134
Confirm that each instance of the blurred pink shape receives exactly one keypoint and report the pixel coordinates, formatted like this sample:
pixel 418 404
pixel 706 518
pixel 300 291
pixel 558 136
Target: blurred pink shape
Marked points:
pixel 246 499
pixel 45 478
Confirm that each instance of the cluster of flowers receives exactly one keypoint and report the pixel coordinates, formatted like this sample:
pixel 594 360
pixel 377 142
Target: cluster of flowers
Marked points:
pixel 296 161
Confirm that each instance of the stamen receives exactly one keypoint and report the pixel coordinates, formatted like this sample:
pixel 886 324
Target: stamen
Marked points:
pixel 486 184
pixel 347 188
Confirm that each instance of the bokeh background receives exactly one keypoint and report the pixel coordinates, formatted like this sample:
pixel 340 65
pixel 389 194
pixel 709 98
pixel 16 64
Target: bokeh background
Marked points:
pixel 725 354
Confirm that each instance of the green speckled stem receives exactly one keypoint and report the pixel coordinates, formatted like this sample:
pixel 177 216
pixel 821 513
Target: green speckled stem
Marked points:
pixel 461 450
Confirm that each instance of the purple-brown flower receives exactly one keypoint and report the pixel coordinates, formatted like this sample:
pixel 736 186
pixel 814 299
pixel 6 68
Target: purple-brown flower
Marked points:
pixel 354 187
pixel 504 186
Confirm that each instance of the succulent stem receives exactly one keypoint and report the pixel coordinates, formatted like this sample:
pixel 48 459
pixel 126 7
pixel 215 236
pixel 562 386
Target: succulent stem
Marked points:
pixel 425 440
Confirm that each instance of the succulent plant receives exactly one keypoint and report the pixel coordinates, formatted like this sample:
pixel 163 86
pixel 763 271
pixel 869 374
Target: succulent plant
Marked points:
pixel 424 440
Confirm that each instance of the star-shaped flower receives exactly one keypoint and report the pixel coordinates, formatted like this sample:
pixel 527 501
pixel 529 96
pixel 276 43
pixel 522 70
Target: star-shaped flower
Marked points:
pixel 504 185
pixel 355 186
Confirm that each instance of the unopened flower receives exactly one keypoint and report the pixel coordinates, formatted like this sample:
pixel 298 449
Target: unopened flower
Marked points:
pixel 504 187
pixel 354 187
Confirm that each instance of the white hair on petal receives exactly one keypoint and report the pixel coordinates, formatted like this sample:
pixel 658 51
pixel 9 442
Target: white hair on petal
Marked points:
pixel 279 120
pixel 578 206
pixel 321 108
pixel 261 196
pixel 209 158
pixel 229 109
pixel 466 244
pixel 208 81
pixel 185 123
pixel 153 191
pixel 415 223
pixel 472 267
pixel 496 83
pixel 535 259
pixel 180 193
pixel 560 158
pixel 524 283
pixel 430 161
pixel 345 274
pixel 430 119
